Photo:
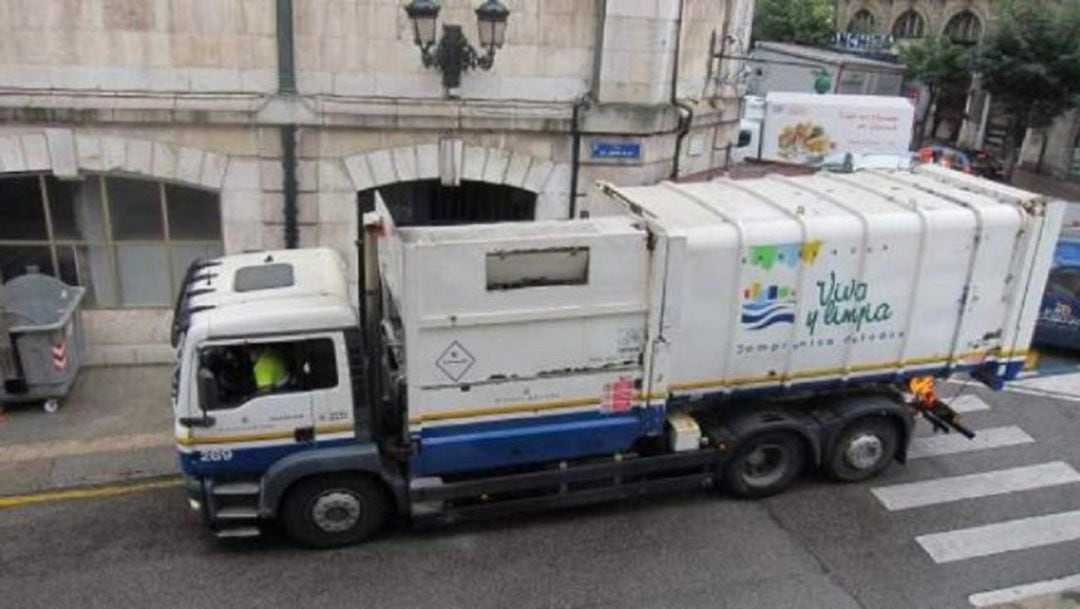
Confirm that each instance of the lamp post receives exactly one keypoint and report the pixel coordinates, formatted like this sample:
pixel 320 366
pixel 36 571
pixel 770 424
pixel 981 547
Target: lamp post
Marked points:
pixel 452 53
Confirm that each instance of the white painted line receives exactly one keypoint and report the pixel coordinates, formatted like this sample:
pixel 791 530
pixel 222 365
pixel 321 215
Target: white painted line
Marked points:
pixel 956 488
pixel 1061 386
pixel 1009 536
pixel 947 444
pixel 967 403
pixel 1024 591
pixel 1065 397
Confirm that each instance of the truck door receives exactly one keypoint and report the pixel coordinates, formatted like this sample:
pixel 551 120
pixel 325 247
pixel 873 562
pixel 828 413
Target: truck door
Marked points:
pixel 257 398
pixel 331 383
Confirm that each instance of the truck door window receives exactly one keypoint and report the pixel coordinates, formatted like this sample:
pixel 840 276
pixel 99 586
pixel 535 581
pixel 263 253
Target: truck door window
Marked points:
pixel 251 370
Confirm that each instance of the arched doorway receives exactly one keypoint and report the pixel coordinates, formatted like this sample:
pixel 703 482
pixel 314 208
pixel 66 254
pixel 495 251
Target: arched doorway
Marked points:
pixel 429 202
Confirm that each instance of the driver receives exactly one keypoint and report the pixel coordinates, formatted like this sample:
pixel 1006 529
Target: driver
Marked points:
pixel 269 368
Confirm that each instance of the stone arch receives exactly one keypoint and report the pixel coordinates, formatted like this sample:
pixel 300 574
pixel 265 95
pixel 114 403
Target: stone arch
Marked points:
pixel 549 180
pixel 65 152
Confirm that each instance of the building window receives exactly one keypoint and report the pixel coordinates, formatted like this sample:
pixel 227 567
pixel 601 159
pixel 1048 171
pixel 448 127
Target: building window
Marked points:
pixel 964 28
pixel 909 25
pixel 127 241
pixel 862 22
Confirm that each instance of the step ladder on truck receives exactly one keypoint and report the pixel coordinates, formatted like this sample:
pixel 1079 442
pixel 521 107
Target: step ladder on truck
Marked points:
pixel 725 333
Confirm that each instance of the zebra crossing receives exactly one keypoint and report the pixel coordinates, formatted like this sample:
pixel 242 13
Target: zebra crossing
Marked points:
pixel 995 538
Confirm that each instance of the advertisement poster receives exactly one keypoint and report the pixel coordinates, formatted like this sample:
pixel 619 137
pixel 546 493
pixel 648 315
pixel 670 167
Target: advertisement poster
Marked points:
pixel 806 128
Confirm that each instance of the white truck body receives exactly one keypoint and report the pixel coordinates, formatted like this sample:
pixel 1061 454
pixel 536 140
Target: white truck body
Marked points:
pixel 760 285
pixel 810 129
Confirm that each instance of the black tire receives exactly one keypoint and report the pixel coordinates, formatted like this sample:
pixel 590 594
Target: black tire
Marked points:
pixel 863 450
pixel 336 510
pixel 764 465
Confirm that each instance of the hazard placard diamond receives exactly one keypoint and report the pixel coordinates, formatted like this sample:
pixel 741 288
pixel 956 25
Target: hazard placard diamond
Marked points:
pixel 455 361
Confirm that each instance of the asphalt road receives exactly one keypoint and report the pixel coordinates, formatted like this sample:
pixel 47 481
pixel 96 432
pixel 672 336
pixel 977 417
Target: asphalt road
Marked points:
pixel 820 545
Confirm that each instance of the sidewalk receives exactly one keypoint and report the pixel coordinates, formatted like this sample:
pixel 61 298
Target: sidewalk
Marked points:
pixel 114 426
pixel 1047 185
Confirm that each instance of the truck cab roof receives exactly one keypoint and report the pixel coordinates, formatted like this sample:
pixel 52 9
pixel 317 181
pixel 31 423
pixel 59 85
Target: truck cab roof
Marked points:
pixel 280 291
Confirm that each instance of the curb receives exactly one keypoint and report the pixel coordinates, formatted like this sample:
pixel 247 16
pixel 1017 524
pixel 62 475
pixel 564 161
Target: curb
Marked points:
pixel 122 486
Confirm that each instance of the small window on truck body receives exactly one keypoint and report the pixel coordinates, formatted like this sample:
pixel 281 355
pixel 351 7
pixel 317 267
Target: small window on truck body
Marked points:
pixel 514 269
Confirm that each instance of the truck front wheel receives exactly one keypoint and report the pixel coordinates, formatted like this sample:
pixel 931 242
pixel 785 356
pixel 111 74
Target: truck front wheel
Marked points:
pixel 764 465
pixel 863 450
pixel 329 511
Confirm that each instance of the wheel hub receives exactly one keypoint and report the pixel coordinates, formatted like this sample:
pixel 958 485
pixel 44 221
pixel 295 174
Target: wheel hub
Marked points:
pixel 864 451
pixel 764 465
pixel 336 511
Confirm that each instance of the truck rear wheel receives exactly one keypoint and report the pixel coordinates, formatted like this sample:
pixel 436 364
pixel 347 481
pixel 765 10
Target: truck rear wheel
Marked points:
pixel 863 450
pixel 764 465
pixel 337 510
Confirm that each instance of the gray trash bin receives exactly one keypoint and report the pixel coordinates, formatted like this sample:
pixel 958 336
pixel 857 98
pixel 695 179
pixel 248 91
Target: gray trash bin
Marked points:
pixel 41 339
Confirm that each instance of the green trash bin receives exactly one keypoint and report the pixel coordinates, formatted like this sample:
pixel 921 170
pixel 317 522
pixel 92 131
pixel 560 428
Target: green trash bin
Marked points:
pixel 41 339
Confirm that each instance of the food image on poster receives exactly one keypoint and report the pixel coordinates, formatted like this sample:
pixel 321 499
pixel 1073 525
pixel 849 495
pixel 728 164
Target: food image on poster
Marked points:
pixel 804 141
pixel 808 129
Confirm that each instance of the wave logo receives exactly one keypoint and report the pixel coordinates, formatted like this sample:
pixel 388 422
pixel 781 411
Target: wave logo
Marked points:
pixel 766 306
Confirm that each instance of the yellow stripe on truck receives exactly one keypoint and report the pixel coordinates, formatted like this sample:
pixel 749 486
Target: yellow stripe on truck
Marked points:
pixel 258 437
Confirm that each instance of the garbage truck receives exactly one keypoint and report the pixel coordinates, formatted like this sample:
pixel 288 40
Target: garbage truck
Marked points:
pixel 725 334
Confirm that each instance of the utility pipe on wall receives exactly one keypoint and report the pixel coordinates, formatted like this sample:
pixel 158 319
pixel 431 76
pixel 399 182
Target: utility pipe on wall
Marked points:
pixel 286 52
pixel 686 117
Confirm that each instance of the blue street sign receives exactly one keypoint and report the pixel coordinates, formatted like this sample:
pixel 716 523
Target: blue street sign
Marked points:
pixel 616 150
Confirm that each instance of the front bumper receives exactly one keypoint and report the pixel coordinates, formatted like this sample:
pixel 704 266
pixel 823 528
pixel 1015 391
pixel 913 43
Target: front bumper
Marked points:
pixel 197 497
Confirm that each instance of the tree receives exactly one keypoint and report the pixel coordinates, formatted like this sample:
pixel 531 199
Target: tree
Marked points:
pixel 942 67
pixel 807 22
pixel 1030 63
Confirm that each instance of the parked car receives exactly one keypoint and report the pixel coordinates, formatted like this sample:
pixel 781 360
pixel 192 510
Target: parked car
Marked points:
pixel 1059 315
pixel 977 162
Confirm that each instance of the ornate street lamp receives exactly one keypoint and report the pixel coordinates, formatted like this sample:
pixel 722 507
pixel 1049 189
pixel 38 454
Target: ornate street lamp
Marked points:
pixel 453 54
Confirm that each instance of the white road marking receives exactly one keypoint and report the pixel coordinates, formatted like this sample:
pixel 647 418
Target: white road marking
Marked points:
pixel 967 403
pixel 1061 386
pixel 1008 536
pixel 947 444
pixel 1064 397
pixel 1024 591
pixel 956 488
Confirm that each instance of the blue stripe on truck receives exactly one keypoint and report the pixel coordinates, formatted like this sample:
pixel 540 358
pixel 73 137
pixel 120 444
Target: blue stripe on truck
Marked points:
pixel 509 442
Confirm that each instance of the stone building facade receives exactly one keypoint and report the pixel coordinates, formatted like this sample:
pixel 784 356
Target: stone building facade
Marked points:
pixel 136 135
pixel 963 20
pixel 965 117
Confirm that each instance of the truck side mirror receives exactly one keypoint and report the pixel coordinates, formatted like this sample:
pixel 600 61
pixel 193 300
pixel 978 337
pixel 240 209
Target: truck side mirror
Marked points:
pixel 208 390
pixel 744 138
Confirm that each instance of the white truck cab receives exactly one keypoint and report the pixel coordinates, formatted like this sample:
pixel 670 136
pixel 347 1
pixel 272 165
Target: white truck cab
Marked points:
pixel 292 305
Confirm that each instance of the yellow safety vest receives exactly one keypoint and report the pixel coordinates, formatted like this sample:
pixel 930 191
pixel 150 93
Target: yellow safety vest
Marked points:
pixel 270 370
